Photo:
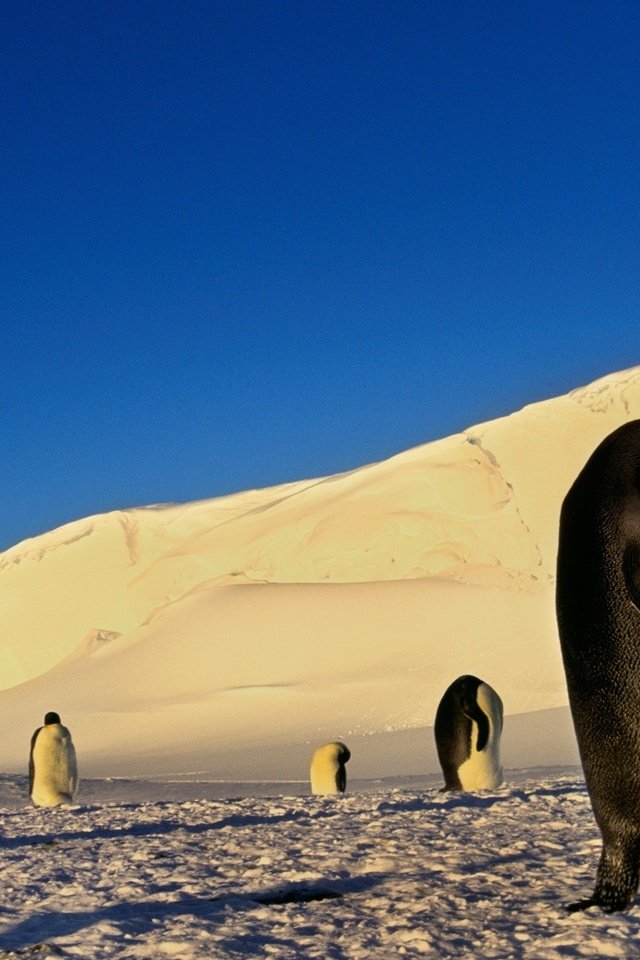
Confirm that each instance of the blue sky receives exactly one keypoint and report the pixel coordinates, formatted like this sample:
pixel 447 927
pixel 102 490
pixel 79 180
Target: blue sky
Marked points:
pixel 251 241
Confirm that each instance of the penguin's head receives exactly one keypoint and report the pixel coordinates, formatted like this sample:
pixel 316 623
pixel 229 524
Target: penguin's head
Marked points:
pixel 51 717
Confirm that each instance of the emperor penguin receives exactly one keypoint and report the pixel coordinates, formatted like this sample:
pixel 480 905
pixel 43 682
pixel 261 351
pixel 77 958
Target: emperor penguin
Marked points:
pixel 53 768
pixel 598 610
pixel 467 730
pixel 328 772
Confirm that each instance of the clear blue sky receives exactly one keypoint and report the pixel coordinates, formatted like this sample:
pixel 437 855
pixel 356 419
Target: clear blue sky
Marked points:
pixel 251 241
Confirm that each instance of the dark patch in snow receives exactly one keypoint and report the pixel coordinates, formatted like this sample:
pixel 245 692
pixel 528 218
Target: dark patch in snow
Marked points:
pixel 296 895
pixel 306 892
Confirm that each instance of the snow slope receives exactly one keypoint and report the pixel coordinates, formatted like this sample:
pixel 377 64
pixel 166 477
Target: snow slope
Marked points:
pixel 407 872
pixel 232 635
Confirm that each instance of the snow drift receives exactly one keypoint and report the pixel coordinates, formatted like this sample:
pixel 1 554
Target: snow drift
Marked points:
pixel 233 634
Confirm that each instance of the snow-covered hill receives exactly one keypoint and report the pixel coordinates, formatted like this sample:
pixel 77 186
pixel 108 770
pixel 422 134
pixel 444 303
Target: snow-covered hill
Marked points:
pixel 235 632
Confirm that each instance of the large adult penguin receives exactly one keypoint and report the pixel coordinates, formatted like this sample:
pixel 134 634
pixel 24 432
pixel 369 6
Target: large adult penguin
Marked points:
pixel 328 772
pixel 467 729
pixel 598 609
pixel 53 768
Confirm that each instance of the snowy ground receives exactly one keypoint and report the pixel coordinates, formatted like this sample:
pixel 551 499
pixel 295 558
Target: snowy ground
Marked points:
pixel 383 871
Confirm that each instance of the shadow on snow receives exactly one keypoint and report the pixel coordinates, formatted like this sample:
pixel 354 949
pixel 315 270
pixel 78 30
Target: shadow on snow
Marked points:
pixel 136 919
pixel 155 828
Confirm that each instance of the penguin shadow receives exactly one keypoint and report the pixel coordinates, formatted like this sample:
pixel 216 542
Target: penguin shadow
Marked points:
pixel 139 918
pixel 160 828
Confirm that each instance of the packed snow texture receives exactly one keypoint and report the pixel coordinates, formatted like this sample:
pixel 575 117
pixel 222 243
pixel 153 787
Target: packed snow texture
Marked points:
pixel 138 870
pixel 192 647
pixel 236 634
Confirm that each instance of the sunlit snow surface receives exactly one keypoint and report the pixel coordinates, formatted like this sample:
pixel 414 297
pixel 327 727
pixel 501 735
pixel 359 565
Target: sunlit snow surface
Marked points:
pixel 148 873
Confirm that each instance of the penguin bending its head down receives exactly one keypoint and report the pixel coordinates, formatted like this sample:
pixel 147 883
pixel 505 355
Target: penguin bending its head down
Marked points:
pixel 53 768
pixel 598 609
pixel 467 729
pixel 328 772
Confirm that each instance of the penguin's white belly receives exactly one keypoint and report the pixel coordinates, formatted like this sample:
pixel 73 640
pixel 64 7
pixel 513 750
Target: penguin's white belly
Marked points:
pixel 55 778
pixel 483 770
pixel 324 781
pixel 324 770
